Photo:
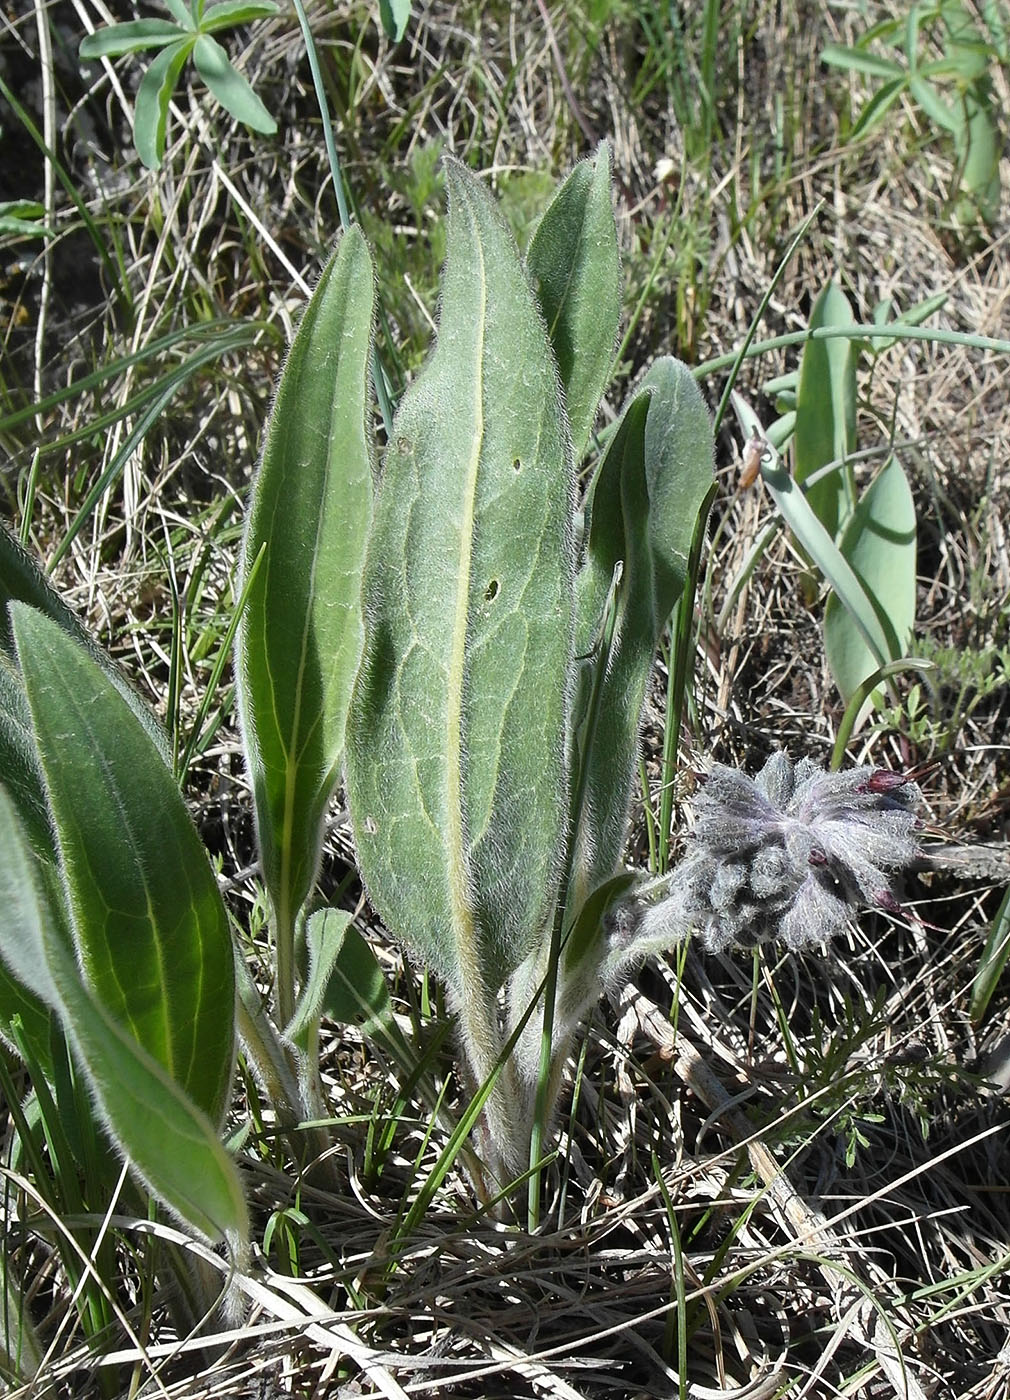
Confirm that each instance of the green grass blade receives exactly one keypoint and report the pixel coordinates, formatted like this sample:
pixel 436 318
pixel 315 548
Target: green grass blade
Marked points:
pixel 879 542
pixel 169 1142
pixel 149 922
pixel 300 637
pixel 574 266
pixel 826 411
pixel 229 86
pixel 456 746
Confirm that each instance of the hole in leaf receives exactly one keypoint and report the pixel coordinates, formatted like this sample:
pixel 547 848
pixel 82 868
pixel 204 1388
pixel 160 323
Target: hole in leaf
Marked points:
pixel 516 465
pixel 491 591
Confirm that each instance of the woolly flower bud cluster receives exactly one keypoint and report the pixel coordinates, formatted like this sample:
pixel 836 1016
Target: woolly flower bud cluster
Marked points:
pixel 787 854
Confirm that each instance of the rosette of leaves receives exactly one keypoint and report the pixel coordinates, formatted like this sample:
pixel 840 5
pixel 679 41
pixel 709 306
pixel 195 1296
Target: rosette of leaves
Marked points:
pixel 189 34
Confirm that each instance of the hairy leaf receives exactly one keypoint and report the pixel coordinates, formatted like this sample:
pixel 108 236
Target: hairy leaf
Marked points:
pixel 456 746
pixel 300 637
pixel 575 270
pixel 149 922
pixel 171 1144
pixel 640 511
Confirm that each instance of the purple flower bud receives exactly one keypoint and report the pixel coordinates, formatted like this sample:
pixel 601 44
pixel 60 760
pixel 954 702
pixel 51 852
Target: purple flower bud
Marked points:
pixel 790 853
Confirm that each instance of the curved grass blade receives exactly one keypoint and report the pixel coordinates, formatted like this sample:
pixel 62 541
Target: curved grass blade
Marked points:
pixel 456 746
pixel 169 1142
pixel 993 961
pixel 300 637
pixel 149 923
pixel 575 269
pixel 879 543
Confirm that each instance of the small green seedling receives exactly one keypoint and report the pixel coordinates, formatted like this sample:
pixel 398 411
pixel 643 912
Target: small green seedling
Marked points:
pixel 954 91
pixel 189 34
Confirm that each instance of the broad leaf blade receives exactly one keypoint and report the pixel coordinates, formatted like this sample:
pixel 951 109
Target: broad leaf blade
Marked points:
pixel 826 411
pixel 149 922
pixel 22 578
pixel 166 1138
pixel 574 266
pixel 301 633
pixel 456 743
pixel 879 543
pixel 150 113
pixel 229 86
pixel 641 511
pixel 131 37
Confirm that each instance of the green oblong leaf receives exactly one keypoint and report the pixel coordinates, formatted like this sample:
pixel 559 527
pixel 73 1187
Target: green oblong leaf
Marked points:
pixel 394 16
pixel 131 37
pixel 457 736
pixel 229 86
pixel 231 12
pixel 575 269
pixel 149 923
pixel 860 61
pixel 22 578
pixel 150 113
pixel 168 1141
pixel 300 637
pixel 826 411
pixel 879 543
pixel 345 981
pixel 641 511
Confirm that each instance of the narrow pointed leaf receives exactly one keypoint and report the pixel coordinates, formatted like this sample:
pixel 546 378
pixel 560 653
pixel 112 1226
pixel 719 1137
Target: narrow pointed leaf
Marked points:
pixel 879 545
pixel 131 37
pixel 859 61
pixel 457 737
pixel 812 537
pixel 395 16
pixel 229 86
pixel 301 633
pixel 230 12
pixel 150 113
pixel 826 411
pixel 345 981
pixel 575 270
pixel 149 923
pixel 641 512
pixel 169 1142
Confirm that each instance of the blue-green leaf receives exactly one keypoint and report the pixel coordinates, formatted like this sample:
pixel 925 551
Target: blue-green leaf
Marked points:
pixel 879 544
pixel 826 412
pixel 229 86
pixel 150 113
